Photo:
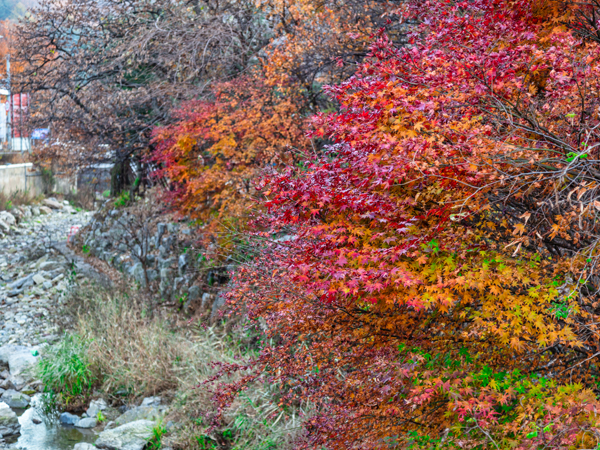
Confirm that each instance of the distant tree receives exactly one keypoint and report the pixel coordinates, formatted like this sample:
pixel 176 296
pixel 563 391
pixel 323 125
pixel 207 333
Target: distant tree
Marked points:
pixel 105 73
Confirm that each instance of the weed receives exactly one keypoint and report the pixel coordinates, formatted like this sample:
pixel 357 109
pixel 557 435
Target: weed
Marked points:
pixel 123 200
pixel 65 370
pixel 100 417
pixel 10 201
pixel 158 432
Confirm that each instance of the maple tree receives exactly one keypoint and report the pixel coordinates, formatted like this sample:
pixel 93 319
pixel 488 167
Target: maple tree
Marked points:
pixel 430 280
pixel 217 145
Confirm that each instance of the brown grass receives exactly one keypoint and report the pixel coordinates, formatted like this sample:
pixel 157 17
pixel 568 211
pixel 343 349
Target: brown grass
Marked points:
pixel 19 198
pixel 136 350
pixel 128 350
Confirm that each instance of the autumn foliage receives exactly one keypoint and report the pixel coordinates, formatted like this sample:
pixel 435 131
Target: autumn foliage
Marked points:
pixel 422 183
pixel 429 280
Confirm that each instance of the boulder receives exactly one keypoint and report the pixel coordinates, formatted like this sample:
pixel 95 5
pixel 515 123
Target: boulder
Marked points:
pixel 45 210
pixel 152 413
pixel 68 418
pixel 131 436
pixel 15 399
pixel 194 293
pixel 96 406
pixel 52 203
pixel 88 422
pixel 9 423
pixel 20 360
pixel 8 218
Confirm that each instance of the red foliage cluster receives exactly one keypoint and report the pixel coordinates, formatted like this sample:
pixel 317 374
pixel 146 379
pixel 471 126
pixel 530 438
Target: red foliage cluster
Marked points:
pixel 412 277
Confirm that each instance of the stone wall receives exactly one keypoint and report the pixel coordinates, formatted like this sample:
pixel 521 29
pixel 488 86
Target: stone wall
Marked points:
pixel 160 255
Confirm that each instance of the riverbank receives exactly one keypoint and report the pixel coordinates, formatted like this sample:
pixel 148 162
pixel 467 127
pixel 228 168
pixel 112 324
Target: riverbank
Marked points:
pixel 111 361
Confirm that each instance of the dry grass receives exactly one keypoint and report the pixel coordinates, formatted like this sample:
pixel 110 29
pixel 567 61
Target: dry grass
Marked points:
pixel 129 351
pixel 142 355
pixel 254 420
pixel 19 198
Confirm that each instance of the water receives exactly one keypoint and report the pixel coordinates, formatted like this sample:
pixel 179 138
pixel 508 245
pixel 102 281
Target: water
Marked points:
pixel 50 434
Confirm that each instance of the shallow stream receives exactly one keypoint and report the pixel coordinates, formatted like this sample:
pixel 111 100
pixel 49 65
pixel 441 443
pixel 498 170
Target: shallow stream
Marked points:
pixel 50 434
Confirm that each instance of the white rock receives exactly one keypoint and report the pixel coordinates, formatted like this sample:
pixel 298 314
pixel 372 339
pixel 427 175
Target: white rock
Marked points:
pixel 9 423
pixel 88 422
pixel 52 203
pixel 8 218
pixel 38 279
pixel 84 446
pixel 131 436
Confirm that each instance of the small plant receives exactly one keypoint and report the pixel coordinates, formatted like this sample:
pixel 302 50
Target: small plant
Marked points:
pixel 86 249
pixel 206 443
pixel 65 370
pixel 182 299
pixel 158 432
pixel 100 417
pixel 123 200
pixel 106 194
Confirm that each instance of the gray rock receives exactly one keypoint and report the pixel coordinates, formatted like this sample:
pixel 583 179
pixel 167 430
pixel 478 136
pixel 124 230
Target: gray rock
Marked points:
pixel 137 271
pixel 151 401
pixel 96 406
pixel 84 446
pixel 152 413
pixel 182 264
pixel 47 284
pixel 131 436
pixel 35 211
pixel 177 282
pixel 4 227
pixel 160 231
pixel 45 210
pixel 14 292
pixel 88 422
pixel 68 418
pixel 9 423
pixel 15 399
pixel 20 360
pixel 19 283
pixel 217 307
pixel 36 420
pixel 206 300
pixel 165 263
pixel 7 384
pixel 152 275
pixel 50 265
pixel 194 293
